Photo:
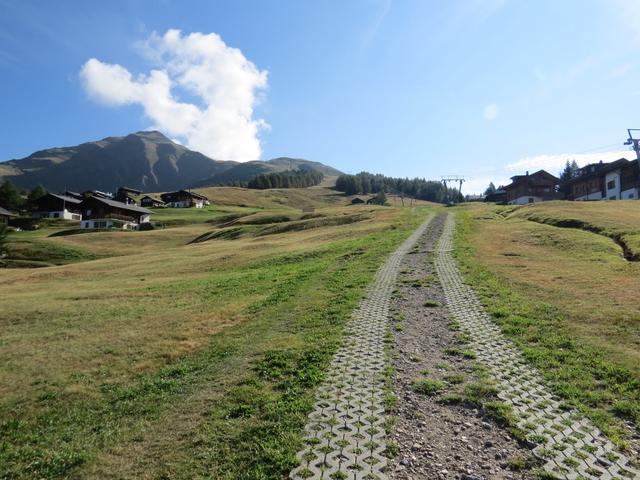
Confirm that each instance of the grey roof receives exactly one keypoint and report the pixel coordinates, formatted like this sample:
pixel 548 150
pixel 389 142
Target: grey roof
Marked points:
pixel 121 205
pixel 152 198
pixel 188 192
pixel 7 213
pixel 66 199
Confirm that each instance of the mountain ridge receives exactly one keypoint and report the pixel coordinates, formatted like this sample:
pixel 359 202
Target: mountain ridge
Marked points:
pixel 147 160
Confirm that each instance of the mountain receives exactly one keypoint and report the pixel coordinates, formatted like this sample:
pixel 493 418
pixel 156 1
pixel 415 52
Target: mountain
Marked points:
pixel 145 160
pixel 247 170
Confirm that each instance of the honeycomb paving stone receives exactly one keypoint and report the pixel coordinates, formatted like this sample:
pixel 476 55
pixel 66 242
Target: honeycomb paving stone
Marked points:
pixel 521 386
pixel 345 436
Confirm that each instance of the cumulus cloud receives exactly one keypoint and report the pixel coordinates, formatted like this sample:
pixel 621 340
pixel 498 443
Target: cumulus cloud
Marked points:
pixel 490 112
pixel 555 162
pixel 226 85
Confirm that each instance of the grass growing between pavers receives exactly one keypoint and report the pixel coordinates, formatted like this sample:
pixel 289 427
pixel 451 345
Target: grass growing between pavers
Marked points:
pixel 560 295
pixel 226 400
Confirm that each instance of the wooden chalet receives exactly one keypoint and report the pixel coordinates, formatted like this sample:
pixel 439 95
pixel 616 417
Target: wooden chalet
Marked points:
pixel 619 180
pixel 150 202
pixel 53 205
pixel 184 199
pixel 499 196
pixel 127 195
pixel 5 216
pixel 539 186
pixel 98 212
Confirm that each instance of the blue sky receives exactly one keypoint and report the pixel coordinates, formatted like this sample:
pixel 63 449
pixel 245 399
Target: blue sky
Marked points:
pixel 482 88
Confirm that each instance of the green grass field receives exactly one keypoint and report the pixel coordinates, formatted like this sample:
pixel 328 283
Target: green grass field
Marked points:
pixel 155 358
pixel 192 351
pixel 566 296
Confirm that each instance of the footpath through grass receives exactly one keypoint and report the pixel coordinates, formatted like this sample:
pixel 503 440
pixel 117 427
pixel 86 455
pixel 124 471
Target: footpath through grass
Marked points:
pixel 567 299
pixel 231 407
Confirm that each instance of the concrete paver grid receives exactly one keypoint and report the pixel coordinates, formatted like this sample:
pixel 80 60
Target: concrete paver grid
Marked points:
pixel 573 448
pixel 345 437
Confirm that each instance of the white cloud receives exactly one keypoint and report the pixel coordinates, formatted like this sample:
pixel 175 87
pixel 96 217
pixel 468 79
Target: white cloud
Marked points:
pixel 490 112
pixel 555 162
pixel 226 84
pixel 477 185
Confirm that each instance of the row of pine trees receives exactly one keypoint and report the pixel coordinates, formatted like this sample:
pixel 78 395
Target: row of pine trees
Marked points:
pixel 365 183
pixel 287 179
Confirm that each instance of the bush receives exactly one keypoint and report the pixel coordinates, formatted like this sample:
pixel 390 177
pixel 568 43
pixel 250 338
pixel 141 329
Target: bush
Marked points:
pixel 145 227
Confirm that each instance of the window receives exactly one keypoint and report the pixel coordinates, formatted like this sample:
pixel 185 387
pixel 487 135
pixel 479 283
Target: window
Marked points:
pixel 531 200
pixel 611 184
pixel 631 195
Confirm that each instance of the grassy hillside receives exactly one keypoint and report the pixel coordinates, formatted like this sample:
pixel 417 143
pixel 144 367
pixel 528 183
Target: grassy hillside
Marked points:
pixel 168 360
pixel 619 221
pixel 567 296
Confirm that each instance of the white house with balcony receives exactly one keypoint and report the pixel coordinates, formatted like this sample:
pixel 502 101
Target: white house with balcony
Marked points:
pixel 56 206
pixel 99 213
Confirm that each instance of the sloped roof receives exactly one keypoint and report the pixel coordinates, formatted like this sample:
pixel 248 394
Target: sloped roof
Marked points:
pixel 7 213
pixel 123 206
pixel 193 194
pixel 152 198
pixel 132 190
pixel 65 198
pixel 518 179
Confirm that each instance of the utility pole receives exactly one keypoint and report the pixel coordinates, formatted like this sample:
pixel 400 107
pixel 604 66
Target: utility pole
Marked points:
pixel 634 141
pixel 636 147
pixel 453 179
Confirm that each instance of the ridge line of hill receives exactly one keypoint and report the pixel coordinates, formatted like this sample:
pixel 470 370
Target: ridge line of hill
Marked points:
pixel 145 160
